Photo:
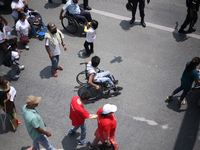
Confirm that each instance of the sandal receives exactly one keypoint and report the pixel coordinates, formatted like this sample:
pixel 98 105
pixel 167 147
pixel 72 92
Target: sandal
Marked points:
pixel 54 74
pixel 170 97
pixel 184 102
pixel 60 68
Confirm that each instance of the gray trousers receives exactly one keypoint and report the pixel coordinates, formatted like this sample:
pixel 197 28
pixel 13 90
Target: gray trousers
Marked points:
pixel 15 70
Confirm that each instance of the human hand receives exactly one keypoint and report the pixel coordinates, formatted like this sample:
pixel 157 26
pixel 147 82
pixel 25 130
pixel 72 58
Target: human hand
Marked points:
pixel 65 48
pixel 198 70
pixel 50 55
pixel 61 17
pixel 97 87
pixel 108 142
pixel 48 134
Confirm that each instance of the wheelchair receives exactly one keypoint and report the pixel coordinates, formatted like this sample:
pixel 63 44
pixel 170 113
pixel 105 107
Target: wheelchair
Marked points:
pixel 38 29
pixel 82 79
pixel 70 24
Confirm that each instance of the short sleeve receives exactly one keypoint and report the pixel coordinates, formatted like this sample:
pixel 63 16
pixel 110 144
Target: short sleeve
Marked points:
pixel 17 26
pixel 34 123
pixel 85 114
pixel 47 42
pixel 65 6
pixel 12 5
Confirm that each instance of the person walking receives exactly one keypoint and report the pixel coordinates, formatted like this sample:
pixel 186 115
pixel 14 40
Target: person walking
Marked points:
pixel 192 16
pixel 141 8
pixel 34 123
pixel 53 39
pixel 90 37
pixel 106 127
pixel 189 75
pixel 78 115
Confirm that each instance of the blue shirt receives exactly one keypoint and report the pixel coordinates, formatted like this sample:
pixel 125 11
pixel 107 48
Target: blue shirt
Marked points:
pixel 32 121
pixel 71 7
pixel 188 78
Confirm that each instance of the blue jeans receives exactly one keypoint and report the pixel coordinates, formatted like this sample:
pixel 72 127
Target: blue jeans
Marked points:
pixel 54 62
pixel 44 142
pixel 183 95
pixel 105 77
pixel 83 131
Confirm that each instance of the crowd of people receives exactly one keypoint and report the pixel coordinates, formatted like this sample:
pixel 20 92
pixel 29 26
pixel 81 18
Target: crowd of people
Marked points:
pixel 106 121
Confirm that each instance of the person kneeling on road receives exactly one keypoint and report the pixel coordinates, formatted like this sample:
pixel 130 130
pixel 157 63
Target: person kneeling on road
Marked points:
pixel 104 77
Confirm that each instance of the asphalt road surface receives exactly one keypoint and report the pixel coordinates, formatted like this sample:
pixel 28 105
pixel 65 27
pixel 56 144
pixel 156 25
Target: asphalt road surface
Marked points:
pixel 148 62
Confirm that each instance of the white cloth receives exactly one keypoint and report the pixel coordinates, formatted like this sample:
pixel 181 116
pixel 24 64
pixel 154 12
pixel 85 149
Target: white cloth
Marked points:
pixel 23 26
pixel 19 4
pixel 91 35
pixel 27 14
pixel 91 69
pixel 12 93
pixel 14 56
pixel 54 51
pixel 72 7
pixel 3 34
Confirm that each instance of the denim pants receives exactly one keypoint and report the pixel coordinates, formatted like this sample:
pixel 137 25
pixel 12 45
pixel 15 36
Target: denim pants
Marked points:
pixel 54 62
pixel 183 95
pixel 83 131
pixel 105 77
pixel 44 142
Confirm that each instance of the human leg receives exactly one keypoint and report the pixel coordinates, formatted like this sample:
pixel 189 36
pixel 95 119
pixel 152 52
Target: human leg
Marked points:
pixel 83 132
pixel 91 47
pixel 106 77
pixel 87 15
pixel 141 8
pixel 36 144
pixel 85 4
pixel 135 2
pixel 54 62
pixel 80 18
pixel 183 95
pixel 44 142
pixel 15 71
pixel 186 22
pixel 86 45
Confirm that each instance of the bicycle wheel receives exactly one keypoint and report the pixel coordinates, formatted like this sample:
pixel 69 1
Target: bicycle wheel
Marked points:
pixel 81 78
pixel 70 24
pixel 91 90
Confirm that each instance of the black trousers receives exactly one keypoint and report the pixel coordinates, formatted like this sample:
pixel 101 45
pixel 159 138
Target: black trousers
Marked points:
pixel 85 3
pixel 141 8
pixel 189 20
pixel 86 45
pixel 83 17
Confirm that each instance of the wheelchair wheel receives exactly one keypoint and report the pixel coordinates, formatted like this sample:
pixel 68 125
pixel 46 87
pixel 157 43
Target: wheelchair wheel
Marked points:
pixel 70 24
pixel 81 78
pixel 91 90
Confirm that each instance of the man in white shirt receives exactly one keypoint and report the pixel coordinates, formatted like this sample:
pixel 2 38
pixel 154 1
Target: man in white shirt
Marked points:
pixel 53 39
pixel 74 9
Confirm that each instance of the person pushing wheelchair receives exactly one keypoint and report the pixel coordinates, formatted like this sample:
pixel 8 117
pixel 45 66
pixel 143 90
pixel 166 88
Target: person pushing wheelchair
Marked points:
pixel 104 77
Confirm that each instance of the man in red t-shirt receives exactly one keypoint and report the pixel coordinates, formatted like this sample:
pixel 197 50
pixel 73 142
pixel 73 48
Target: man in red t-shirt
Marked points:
pixel 78 115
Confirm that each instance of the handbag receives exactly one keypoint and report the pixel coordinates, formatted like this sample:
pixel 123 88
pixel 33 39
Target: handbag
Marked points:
pixel 104 146
pixel 24 39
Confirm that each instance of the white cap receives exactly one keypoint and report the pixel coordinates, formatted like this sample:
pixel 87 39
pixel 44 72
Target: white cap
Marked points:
pixel 108 108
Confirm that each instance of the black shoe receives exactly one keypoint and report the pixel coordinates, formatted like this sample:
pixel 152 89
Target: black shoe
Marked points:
pixel 64 1
pixel 116 90
pixel 132 21
pixel 182 31
pixel 190 30
pixel 50 1
pixel 87 8
pixel 85 54
pixel 143 23
pixel 115 82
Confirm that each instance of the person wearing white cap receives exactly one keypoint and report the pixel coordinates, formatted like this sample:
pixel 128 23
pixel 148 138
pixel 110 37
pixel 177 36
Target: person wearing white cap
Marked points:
pixel 106 127
pixel 34 123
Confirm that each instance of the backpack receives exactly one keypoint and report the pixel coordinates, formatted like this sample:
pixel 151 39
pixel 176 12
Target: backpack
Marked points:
pixel 6 60
pixel 188 3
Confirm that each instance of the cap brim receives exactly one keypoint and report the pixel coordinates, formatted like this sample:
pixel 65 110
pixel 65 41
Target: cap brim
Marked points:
pixel 38 100
pixel 113 108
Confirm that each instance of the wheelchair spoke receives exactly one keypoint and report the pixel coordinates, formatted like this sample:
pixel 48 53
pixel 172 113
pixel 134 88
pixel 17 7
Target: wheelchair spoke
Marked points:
pixel 70 24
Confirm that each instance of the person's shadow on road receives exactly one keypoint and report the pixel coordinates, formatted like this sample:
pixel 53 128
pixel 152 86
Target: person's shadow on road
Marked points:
pixel 54 4
pixel 46 73
pixel 125 25
pixel 116 59
pixel 179 37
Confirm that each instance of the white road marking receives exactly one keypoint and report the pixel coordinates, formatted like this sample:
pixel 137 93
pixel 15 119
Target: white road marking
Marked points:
pixel 119 17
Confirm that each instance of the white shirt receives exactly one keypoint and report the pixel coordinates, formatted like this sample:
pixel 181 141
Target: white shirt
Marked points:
pixel 91 35
pixel 72 7
pixel 19 4
pixel 23 26
pixel 3 34
pixel 91 69
pixel 54 51
pixel 27 14
pixel 14 56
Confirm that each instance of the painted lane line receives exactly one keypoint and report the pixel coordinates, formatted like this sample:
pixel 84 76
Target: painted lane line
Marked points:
pixel 119 17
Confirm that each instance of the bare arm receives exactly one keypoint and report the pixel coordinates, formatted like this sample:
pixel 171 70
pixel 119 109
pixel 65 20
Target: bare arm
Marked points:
pixel 61 12
pixel 26 3
pixel 198 82
pixel 40 130
pixel 90 81
pixel 93 116
pixel 8 98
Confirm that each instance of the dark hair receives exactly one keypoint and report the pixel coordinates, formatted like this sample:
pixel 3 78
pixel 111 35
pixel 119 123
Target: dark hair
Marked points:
pixel 95 61
pixel 1 22
pixel 192 65
pixel 85 96
pixel 94 24
pixel 21 15
pixel 13 42
pixel 104 115
pixel 2 79
pixel 25 8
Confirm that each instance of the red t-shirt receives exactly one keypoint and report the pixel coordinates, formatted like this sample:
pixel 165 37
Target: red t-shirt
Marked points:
pixel 77 112
pixel 107 125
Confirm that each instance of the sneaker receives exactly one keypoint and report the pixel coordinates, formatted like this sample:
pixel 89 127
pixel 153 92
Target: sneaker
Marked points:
pixel 170 97
pixel 87 8
pixel 59 68
pixel 115 82
pixel 21 67
pixel 82 142
pixel 54 74
pixel 182 31
pixel 26 47
pixel 15 77
pixel 71 131
pixel 191 30
pixel 116 90
pixel 132 21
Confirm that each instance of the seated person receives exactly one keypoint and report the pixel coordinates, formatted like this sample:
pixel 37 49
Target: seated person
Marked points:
pixel 94 76
pixel 73 8
pixel 31 18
